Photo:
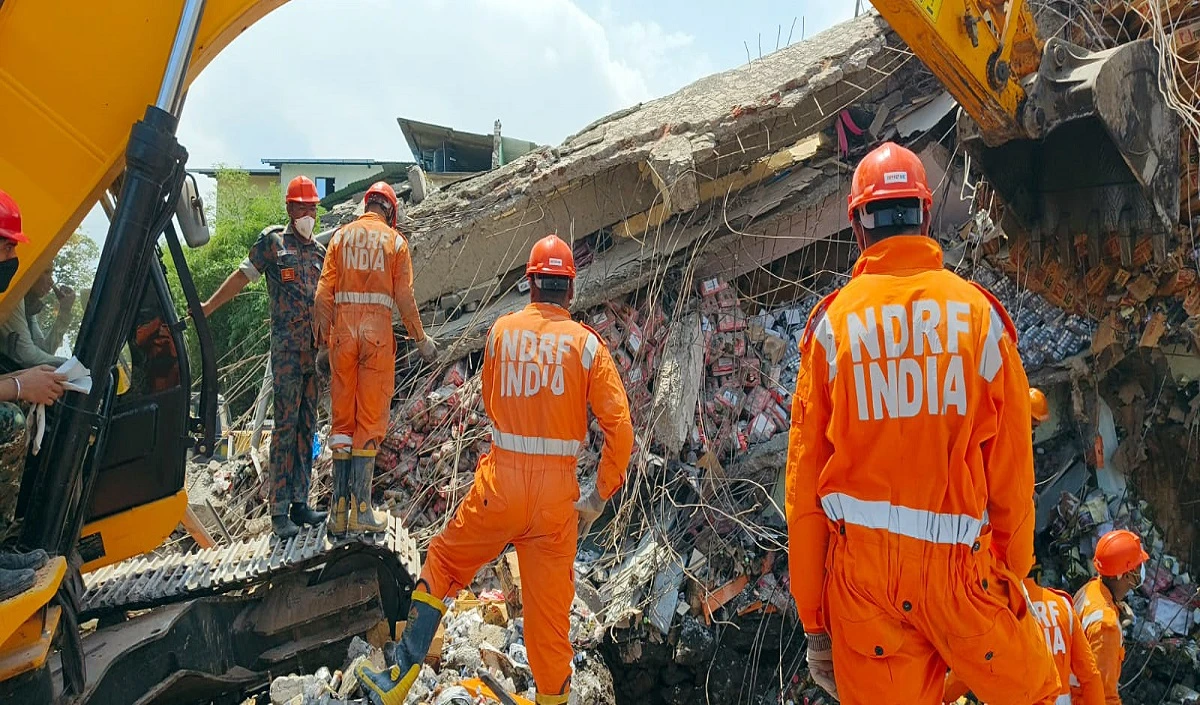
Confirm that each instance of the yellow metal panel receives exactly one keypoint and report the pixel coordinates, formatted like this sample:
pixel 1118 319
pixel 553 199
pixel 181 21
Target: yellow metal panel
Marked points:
pixel 136 531
pixel 74 77
pixel 14 611
pixel 28 647
pixel 936 31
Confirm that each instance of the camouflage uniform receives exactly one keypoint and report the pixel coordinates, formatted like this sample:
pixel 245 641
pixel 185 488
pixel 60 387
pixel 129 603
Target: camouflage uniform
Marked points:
pixel 293 267
pixel 14 444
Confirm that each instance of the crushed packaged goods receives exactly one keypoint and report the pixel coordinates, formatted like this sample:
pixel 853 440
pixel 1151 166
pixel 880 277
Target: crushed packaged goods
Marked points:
pixel 683 590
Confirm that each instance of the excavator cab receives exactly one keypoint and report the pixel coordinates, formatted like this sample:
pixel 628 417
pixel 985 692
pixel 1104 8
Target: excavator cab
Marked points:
pixel 1100 155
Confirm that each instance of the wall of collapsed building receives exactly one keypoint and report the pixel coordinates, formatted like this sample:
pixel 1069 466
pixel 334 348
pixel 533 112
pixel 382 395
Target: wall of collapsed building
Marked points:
pixel 706 225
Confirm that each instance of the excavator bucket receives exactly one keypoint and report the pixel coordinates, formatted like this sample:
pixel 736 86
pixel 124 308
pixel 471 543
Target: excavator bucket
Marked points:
pixel 1102 157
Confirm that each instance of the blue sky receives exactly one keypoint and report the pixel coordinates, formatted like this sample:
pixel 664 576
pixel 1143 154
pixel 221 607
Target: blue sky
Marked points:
pixel 328 78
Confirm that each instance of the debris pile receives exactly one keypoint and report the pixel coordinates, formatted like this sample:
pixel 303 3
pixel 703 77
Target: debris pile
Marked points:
pixel 713 224
pixel 480 640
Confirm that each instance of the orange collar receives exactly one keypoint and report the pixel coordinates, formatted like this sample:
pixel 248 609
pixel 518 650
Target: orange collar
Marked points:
pixel 553 311
pixel 368 215
pixel 900 255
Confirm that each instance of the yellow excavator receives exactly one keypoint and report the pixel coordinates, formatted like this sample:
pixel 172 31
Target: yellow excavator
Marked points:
pixel 90 97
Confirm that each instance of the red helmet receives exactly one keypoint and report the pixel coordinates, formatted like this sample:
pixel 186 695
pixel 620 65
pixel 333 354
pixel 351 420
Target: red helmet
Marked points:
pixel 888 173
pixel 1118 552
pixel 302 190
pixel 10 219
pixel 552 256
pixel 385 191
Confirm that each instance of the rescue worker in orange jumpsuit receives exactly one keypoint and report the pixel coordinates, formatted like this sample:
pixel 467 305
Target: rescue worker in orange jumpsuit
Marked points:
pixel 367 272
pixel 1060 625
pixel 1120 562
pixel 541 371
pixel 910 474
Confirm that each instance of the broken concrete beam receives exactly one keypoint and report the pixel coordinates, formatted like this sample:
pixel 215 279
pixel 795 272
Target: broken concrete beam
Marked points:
pixel 484 225
pixel 677 386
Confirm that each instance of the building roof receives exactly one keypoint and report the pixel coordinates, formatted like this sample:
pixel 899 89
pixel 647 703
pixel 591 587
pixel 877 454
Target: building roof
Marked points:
pixel 212 171
pixel 339 162
pixel 473 147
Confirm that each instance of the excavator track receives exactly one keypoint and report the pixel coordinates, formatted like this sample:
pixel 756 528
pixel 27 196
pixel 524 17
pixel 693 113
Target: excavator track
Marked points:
pixel 153 581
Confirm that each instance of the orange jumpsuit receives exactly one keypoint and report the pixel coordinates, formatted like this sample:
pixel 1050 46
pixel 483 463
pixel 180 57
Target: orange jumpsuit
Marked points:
pixel 1101 622
pixel 541 370
pixel 367 271
pixel 910 486
pixel 1068 645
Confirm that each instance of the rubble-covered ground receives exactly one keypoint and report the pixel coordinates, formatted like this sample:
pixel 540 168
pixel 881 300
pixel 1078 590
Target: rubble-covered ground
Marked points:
pixel 706 226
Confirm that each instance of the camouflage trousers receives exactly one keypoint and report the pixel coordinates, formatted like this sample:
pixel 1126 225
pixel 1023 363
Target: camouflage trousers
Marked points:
pixel 295 388
pixel 14 448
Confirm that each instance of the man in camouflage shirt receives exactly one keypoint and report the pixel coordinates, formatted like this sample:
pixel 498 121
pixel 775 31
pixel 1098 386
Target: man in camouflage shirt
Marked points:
pixel 291 261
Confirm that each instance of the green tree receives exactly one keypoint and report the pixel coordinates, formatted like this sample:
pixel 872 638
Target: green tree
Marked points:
pixel 75 266
pixel 240 330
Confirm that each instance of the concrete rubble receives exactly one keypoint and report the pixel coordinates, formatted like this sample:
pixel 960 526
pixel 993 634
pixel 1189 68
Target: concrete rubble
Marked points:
pixel 707 225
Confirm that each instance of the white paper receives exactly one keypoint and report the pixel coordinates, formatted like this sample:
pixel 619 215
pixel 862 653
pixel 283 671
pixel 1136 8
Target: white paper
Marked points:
pixel 79 379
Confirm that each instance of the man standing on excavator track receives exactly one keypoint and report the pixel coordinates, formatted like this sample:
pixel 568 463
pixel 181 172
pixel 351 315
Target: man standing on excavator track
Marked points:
pixel 292 260
pixel 541 372
pixel 368 273
pixel 910 473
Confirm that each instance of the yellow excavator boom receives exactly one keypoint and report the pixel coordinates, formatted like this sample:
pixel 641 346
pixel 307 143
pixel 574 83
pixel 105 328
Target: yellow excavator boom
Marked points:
pixel 74 77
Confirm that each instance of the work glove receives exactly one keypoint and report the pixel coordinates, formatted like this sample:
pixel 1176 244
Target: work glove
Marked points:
pixel 820 662
pixel 589 508
pixel 1126 613
pixel 428 348
pixel 323 361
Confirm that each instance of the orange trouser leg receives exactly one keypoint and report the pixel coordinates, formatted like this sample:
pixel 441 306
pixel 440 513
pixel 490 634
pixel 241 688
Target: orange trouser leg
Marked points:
pixel 547 566
pixel 376 380
pixel 532 508
pixel 901 611
pixel 343 383
pixel 484 524
pixel 1003 658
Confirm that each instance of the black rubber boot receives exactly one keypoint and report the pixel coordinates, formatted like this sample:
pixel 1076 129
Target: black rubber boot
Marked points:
pixel 403 659
pixel 15 582
pixel 339 506
pixel 363 518
pixel 34 560
pixel 303 514
pixel 283 526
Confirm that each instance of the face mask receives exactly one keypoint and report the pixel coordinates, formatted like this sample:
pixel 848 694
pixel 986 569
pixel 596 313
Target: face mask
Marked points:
pixel 7 269
pixel 304 226
pixel 1142 577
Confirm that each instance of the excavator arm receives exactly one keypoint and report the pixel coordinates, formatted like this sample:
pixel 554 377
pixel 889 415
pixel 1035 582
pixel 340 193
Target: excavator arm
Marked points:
pixel 975 49
pixel 73 78
pixel 1075 142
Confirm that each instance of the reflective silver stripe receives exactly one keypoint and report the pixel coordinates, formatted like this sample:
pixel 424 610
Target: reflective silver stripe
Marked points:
pixel 358 297
pixel 1065 698
pixel 530 445
pixel 1075 681
pixel 904 521
pixel 589 350
pixel 990 360
pixel 1091 619
pixel 340 439
pixel 823 334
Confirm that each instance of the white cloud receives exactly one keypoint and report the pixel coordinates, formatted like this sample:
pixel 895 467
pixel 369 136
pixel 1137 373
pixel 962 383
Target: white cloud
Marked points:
pixel 318 80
